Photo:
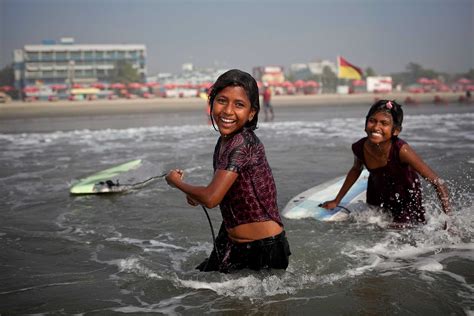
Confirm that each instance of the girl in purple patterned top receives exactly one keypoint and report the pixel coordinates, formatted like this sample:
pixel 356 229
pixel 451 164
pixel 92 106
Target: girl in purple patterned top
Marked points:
pixel 251 235
pixel 393 166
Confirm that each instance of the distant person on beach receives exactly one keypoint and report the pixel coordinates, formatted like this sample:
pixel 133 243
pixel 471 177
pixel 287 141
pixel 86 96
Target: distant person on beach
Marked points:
pixel 251 234
pixel 393 166
pixel 267 106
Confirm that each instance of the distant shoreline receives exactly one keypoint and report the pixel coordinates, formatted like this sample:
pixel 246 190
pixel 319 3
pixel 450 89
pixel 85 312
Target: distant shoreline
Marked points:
pixel 19 109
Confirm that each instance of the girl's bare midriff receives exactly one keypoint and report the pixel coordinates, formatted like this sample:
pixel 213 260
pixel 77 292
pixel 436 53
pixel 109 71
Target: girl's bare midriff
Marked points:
pixel 254 231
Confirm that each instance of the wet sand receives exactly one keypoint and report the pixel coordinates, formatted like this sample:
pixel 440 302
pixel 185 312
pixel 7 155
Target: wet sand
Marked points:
pixel 17 109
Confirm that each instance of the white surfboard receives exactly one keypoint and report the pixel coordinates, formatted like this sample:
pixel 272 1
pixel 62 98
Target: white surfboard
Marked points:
pixel 121 178
pixel 306 204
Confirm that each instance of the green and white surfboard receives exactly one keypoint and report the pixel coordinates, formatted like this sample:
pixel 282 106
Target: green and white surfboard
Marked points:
pixel 123 177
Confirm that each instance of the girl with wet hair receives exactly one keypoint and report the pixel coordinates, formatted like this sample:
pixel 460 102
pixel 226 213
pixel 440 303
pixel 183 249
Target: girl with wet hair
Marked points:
pixel 237 78
pixel 393 166
pixel 251 235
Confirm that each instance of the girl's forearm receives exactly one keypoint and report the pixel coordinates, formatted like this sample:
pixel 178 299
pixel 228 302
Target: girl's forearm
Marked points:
pixel 351 178
pixel 443 194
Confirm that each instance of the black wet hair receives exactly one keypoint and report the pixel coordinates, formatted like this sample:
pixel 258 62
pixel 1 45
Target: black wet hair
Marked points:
pixel 237 78
pixel 388 106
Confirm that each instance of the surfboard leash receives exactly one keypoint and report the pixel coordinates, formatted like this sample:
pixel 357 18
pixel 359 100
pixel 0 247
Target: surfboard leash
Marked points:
pixel 111 184
pixel 340 206
pixel 345 209
pixel 212 232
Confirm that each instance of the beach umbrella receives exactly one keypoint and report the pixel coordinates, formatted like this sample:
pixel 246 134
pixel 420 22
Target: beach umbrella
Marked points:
pixel 58 86
pixel 117 85
pixel 151 84
pixel 6 88
pixel 312 83
pixel 99 85
pixel 423 80
pixel 299 83
pixel 170 86
pixel 30 89
pixel 463 81
pixel 134 85
pixel 186 85
pixel 443 88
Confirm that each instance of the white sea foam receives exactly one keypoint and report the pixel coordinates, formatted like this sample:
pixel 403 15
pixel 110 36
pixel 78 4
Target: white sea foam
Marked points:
pixel 247 286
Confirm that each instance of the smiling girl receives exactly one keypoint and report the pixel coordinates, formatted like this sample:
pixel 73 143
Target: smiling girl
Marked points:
pixel 393 165
pixel 251 235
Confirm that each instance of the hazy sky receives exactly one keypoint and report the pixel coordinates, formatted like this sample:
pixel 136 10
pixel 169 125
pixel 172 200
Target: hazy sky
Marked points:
pixel 385 35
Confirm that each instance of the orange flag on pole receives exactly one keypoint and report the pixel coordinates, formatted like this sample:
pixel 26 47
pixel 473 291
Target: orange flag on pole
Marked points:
pixel 346 70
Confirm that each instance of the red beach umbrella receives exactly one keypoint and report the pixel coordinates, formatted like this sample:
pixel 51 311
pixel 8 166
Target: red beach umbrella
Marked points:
pixel 59 87
pixel 117 85
pixel 312 83
pixel 151 84
pixel 299 83
pixel 463 81
pixel 423 80
pixel 134 85
pixel 30 89
pixel 6 88
pixel 99 85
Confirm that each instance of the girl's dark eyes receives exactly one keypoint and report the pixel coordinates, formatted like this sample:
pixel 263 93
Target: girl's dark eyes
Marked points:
pixel 384 123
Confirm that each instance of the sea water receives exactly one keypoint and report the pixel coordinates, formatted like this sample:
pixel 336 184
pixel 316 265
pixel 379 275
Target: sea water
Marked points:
pixel 137 252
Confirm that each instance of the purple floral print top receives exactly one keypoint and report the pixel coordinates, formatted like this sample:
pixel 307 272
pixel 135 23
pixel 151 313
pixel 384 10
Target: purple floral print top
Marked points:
pixel 395 186
pixel 252 197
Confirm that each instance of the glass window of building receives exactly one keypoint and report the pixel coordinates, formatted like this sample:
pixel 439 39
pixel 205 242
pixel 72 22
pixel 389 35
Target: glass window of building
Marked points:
pixel 75 55
pixel 61 73
pixel 89 55
pixel 33 56
pixel 99 54
pixel 61 55
pixel 46 55
pixel 47 74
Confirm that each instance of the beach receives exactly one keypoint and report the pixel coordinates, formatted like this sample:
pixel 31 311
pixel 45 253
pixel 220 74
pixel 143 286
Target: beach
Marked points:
pixel 18 109
pixel 136 252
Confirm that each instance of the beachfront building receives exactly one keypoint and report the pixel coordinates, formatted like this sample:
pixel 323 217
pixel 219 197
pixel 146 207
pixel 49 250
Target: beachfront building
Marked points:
pixel 68 63
pixel 269 74
pixel 305 71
